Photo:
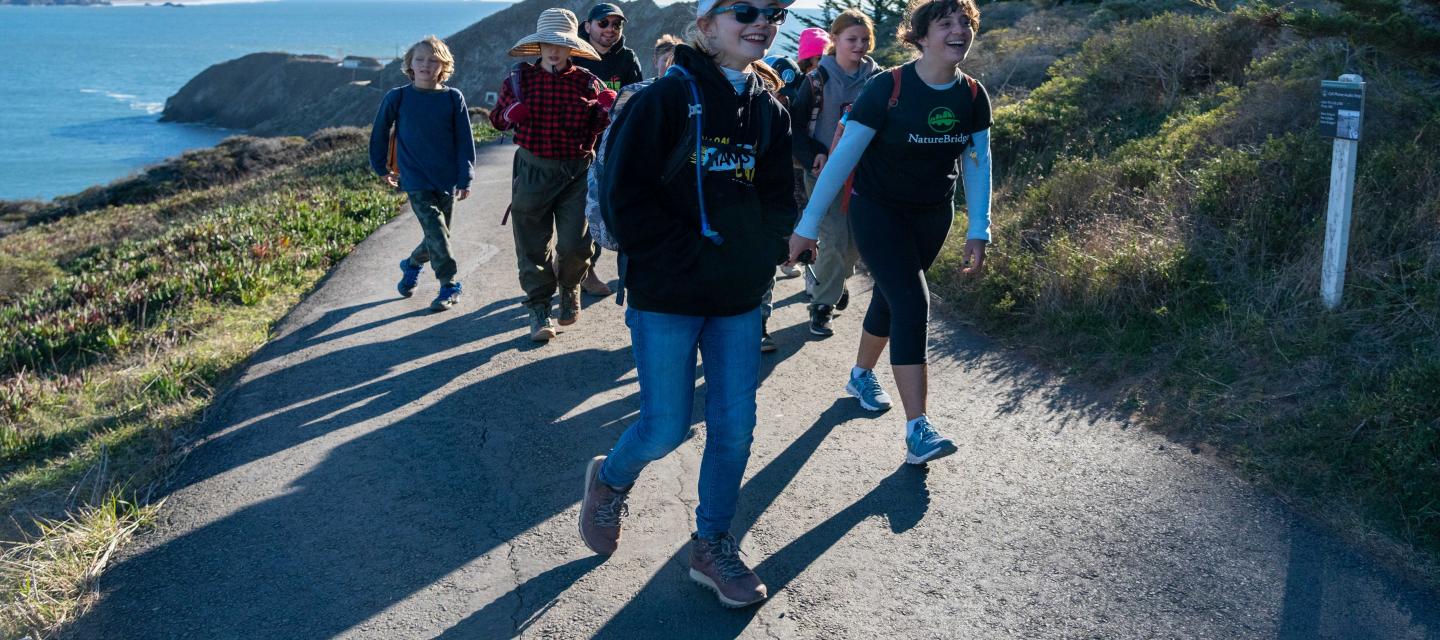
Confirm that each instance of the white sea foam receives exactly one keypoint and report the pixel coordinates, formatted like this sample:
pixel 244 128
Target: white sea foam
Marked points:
pixel 129 99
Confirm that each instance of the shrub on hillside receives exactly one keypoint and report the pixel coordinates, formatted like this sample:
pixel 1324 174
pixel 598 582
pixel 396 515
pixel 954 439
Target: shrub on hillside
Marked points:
pixel 1014 56
pixel 336 137
pixel 1166 227
pixel 1119 87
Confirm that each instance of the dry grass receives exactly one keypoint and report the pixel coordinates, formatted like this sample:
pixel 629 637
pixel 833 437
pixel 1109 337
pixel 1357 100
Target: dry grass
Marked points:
pixel 56 571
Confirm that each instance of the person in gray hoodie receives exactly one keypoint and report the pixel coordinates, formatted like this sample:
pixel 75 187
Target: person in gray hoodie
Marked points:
pixel 818 107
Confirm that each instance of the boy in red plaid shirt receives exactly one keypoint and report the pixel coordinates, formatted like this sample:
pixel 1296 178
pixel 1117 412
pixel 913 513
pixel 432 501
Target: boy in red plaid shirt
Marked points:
pixel 560 111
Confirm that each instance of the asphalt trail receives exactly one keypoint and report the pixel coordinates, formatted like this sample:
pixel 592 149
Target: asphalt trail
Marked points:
pixel 379 471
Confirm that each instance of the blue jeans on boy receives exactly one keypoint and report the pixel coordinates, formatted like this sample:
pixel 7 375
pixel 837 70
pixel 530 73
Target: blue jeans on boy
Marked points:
pixel 665 346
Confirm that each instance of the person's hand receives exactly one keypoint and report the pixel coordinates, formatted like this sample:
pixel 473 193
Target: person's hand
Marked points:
pixel 516 113
pixel 974 256
pixel 392 180
pixel 798 245
pixel 462 194
pixel 606 99
pixel 819 164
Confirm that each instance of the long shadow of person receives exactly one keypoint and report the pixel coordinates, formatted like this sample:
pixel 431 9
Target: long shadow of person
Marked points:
pixel 281 408
pixel 669 605
pixel 510 615
pixel 310 334
pixel 392 509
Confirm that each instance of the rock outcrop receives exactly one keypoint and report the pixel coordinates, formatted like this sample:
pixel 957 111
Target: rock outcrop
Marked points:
pixel 248 91
pixel 279 94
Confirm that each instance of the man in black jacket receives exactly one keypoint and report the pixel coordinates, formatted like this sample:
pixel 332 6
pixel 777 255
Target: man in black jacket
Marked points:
pixel 605 29
pixel 618 66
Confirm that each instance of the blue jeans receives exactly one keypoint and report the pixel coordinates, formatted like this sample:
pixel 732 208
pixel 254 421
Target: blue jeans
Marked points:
pixel 665 346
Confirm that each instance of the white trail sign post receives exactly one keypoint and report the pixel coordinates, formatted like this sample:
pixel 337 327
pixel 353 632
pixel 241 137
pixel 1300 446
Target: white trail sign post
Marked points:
pixel 1342 106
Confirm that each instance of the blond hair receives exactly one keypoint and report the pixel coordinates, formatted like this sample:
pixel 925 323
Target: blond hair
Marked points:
pixel 666 45
pixel 850 18
pixel 437 49
pixel 767 76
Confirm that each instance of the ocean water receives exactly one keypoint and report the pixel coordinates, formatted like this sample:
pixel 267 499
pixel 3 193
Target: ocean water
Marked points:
pixel 81 88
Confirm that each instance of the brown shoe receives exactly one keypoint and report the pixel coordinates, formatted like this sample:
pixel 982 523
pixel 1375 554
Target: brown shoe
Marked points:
pixel 593 285
pixel 716 563
pixel 569 306
pixel 542 328
pixel 601 509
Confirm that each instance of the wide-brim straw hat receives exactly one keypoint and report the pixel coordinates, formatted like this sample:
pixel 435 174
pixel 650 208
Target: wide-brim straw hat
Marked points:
pixel 558 27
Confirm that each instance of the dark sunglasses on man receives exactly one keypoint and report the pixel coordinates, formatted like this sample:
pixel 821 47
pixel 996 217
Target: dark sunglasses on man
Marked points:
pixel 746 14
pixel 606 23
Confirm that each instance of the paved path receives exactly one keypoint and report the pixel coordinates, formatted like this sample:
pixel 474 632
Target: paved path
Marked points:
pixel 383 472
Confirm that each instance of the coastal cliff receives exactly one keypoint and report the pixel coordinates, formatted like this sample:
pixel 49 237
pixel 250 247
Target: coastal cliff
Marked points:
pixel 283 94
pixel 247 91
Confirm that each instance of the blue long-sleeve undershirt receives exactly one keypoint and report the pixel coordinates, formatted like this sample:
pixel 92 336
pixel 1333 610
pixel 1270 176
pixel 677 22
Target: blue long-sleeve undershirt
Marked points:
pixel 974 169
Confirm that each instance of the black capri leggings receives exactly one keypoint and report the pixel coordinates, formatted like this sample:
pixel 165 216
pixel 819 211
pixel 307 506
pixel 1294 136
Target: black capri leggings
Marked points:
pixel 898 245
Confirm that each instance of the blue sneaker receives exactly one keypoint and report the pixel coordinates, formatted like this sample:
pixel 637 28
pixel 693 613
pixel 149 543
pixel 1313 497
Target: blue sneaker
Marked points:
pixel 866 388
pixel 449 295
pixel 408 276
pixel 924 444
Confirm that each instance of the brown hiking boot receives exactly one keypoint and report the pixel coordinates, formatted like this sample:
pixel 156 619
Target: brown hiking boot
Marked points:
pixel 542 328
pixel 716 563
pixel 601 509
pixel 569 306
pixel 594 286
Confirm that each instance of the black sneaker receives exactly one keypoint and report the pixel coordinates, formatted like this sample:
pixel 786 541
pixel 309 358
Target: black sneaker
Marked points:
pixel 844 299
pixel 820 320
pixel 767 344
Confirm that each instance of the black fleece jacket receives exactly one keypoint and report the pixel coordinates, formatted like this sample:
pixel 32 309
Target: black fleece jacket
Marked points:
pixel 750 201
pixel 616 68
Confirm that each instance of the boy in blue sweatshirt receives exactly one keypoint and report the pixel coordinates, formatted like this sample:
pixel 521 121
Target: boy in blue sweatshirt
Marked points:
pixel 435 154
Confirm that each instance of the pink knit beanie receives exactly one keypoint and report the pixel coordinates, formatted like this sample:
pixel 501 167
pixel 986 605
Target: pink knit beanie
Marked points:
pixel 813 42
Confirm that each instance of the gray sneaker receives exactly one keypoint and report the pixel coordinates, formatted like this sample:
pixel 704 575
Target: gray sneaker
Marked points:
pixel 715 563
pixel 925 444
pixel 867 390
pixel 601 508
pixel 542 327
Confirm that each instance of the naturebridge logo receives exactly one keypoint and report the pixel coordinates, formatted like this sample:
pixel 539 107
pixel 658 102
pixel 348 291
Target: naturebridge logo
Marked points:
pixel 941 119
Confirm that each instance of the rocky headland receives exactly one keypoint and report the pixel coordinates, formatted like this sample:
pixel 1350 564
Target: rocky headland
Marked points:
pixel 285 94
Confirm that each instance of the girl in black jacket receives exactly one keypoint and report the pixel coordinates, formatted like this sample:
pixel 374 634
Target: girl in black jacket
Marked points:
pixel 699 246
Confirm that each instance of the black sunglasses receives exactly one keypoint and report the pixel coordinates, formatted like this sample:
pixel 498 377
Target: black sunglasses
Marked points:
pixel 605 24
pixel 746 14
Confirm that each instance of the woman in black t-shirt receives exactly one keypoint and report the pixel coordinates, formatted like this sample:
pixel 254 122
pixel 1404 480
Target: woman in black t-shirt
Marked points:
pixel 908 145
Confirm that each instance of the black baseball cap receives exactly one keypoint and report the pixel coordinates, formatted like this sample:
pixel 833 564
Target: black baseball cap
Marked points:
pixel 605 9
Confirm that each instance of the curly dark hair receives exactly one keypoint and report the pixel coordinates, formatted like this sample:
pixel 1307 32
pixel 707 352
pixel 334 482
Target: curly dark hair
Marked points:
pixel 920 13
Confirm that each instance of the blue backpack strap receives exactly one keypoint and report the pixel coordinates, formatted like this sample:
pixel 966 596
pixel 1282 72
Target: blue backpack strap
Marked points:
pixel 697 119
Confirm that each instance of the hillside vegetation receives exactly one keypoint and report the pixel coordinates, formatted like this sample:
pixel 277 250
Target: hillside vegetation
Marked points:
pixel 1159 223
pixel 125 320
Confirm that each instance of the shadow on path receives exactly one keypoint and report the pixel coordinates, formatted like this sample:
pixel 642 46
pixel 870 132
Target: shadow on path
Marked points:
pixel 392 508
pixel 1318 601
pixel 670 605
pixel 510 615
